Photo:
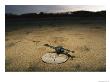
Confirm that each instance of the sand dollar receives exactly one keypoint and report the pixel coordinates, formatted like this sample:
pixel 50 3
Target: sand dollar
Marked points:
pixel 53 58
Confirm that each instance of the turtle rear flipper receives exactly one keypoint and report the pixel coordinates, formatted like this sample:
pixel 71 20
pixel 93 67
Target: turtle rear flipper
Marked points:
pixel 47 45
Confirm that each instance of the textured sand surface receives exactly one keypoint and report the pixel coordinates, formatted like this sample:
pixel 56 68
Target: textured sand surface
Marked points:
pixel 24 48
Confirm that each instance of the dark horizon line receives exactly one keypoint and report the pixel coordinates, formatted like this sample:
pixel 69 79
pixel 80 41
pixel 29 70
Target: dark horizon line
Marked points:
pixel 58 12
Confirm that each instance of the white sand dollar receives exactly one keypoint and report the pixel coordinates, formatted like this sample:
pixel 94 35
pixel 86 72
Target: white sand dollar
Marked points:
pixel 53 58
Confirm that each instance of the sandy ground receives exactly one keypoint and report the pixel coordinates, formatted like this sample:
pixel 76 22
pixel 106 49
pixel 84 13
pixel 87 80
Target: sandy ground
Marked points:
pixel 24 48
